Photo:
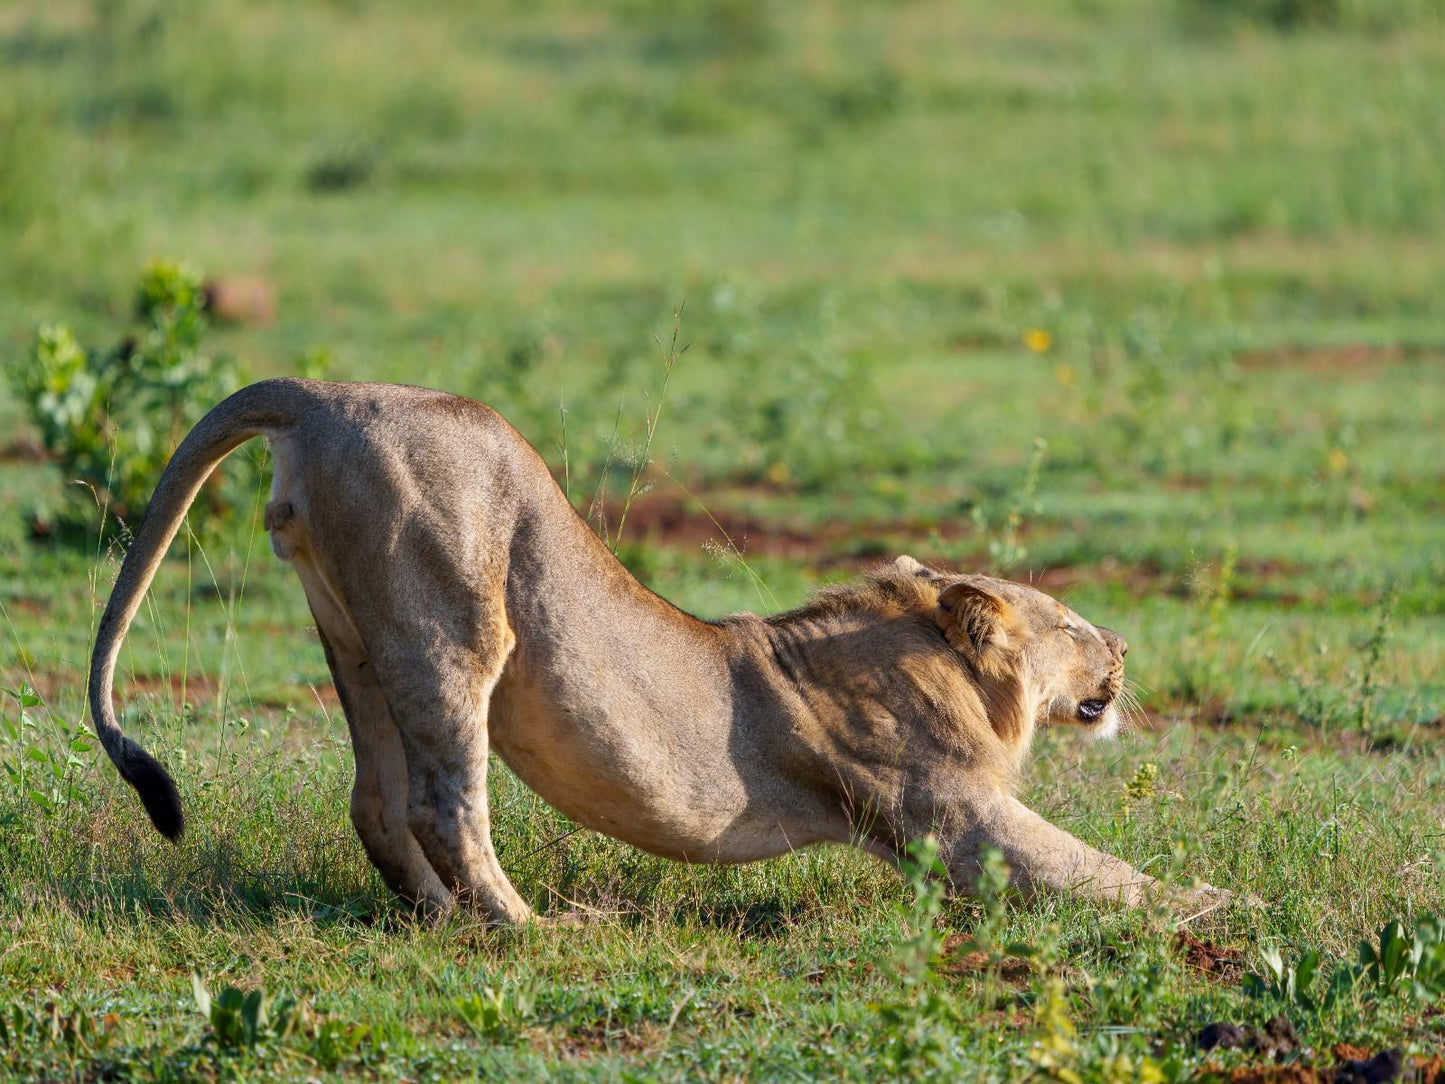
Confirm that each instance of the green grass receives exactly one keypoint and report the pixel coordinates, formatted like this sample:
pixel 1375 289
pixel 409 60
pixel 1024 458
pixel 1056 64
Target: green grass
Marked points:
pixel 1227 221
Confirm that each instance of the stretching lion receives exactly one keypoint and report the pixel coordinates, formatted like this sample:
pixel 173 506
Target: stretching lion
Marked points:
pixel 464 607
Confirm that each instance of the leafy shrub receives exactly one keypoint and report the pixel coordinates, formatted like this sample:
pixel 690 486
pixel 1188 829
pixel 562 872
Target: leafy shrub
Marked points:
pixel 241 1020
pixel 111 419
pixel 1410 961
pixel 498 1015
pixel 1289 982
pixel 42 756
pixel 1400 961
pixel 336 1042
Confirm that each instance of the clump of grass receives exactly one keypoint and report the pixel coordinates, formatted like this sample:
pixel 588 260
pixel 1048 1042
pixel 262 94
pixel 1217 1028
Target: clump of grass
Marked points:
pixel 1004 545
pixel 1371 655
pixel 639 457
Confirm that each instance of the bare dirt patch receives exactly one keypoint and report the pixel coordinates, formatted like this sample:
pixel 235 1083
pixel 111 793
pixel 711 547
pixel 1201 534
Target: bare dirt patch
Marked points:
pixel 960 961
pixel 1276 1039
pixel 30 607
pixel 593 1040
pixel 196 687
pixel 1223 965
pixel 1343 358
pixel 672 521
pixel 1271 1074
pixel 663 520
pixel 1353 1065
pixel 204 688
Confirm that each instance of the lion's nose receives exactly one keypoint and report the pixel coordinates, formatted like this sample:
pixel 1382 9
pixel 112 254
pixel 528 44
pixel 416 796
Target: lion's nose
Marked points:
pixel 1115 641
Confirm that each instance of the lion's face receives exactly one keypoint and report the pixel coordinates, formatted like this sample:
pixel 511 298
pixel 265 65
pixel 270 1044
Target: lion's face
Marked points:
pixel 1075 669
pixel 1079 666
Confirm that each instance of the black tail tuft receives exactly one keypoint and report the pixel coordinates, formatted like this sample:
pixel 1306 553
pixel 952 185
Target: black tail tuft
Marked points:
pixel 156 789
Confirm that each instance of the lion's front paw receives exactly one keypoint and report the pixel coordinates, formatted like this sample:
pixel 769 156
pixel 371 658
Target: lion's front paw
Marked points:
pixel 1205 898
pixel 575 919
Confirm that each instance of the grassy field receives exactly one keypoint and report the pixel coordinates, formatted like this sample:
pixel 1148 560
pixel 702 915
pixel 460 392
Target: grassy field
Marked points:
pixel 1138 300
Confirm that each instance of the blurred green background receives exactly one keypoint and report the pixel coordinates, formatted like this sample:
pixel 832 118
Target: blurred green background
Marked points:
pixel 1135 299
pixel 1193 246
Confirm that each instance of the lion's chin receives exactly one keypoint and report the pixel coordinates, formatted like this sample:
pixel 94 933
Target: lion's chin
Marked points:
pixel 1108 726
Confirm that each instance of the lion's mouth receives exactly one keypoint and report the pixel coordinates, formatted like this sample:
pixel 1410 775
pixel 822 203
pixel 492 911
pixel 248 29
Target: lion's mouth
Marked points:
pixel 1091 710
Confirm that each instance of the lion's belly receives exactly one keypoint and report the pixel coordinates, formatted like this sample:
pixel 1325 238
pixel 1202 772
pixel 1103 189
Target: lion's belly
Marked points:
pixel 679 801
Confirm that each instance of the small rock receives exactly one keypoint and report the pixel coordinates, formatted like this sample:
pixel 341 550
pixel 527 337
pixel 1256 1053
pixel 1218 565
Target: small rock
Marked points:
pixel 1220 1034
pixel 240 299
pixel 1384 1067
pixel 1277 1038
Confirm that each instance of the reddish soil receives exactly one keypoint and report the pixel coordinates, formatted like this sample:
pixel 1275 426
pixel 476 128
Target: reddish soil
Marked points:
pixel 670 521
pixel 1346 1052
pixel 1351 357
pixel 666 520
pixel 1272 1074
pixel 1014 970
pixel 594 1039
pixel 1346 1070
pixel 197 686
pixel 240 299
pixel 31 607
pixel 199 689
pixel 1224 966
pixel 24 450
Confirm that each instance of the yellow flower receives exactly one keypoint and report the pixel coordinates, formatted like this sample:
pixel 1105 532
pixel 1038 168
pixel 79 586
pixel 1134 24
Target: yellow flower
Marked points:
pixel 1038 340
pixel 1338 460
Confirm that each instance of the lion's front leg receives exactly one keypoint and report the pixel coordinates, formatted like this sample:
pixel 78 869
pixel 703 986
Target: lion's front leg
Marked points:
pixel 1041 855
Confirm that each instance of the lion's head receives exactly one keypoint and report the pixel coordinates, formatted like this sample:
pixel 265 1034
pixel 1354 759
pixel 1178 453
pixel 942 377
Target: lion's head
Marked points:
pixel 1073 669
pixel 975 647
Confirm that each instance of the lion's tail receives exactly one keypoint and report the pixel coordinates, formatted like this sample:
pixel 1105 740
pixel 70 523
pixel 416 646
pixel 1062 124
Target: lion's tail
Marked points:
pixel 267 408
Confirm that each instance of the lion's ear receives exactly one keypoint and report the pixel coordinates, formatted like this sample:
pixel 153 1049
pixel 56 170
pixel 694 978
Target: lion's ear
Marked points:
pixel 980 625
pixel 909 567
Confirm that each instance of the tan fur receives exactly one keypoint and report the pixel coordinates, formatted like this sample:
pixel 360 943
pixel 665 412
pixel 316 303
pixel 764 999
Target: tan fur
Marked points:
pixel 465 608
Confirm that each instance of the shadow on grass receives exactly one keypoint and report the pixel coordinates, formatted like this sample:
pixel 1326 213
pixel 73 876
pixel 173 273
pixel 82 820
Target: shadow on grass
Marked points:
pixel 760 918
pixel 92 869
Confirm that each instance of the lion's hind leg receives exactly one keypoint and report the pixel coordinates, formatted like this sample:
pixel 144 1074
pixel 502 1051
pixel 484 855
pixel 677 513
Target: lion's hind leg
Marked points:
pixel 379 795
pixel 441 711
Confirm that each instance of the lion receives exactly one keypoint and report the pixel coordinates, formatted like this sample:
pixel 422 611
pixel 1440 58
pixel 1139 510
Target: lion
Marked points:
pixel 464 607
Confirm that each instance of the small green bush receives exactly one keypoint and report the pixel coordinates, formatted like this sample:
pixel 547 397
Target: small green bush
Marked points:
pixel 1403 961
pixel 111 419
pixel 241 1020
